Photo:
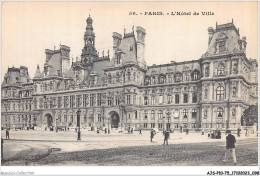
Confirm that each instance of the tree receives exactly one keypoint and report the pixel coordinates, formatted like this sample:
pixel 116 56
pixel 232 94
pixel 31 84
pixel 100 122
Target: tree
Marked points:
pixel 250 116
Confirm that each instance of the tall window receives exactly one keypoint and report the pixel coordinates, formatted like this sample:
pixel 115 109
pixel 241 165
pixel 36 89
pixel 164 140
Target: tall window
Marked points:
pixel 194 98
pixel 176 114
pixel 128 99
pixel 153 100
pixel 186 76
pixel 99 118
pixel 160 114
pixel 85 96
pixel 128 75
pixel 160 99
pixel 169 99
pixel 222 47
pixel 185 113
pixel 220 93
pixel 152 125
pixel 145 100
pixel 109 101
pixel 92 98
pixel 161 79
pixel 194 113
pixel 145 114
pixel 117 100
pixel 220 112
pixel 78 100
pixel 177 99
pixel 153 114
pixel 99 99
pixel 185 98
pixel 195 75
pixel 72 97
pixel 136 115
pixel 65 117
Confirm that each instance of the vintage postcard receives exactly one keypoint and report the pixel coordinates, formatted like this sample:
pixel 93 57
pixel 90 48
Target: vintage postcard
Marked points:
pixel 129 84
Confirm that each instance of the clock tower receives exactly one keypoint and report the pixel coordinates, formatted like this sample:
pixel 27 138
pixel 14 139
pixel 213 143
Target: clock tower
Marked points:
pixel 89 52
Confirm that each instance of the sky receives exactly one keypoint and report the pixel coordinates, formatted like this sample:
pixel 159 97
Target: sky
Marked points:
pixel 28 28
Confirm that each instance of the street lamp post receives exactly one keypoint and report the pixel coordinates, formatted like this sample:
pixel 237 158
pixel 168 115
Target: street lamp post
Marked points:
pixel 108 130
pixel 78 124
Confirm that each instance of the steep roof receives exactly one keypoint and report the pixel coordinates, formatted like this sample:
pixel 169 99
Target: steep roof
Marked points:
pixel 173 68
pixel 228 33
pixel 38 73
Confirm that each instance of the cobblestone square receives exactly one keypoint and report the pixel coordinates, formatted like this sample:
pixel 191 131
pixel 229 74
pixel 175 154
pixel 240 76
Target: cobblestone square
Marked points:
pixel 41 148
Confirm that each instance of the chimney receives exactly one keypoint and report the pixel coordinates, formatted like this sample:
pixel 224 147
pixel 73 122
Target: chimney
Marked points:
pixel 211 32
pixel 116 40
pixel 140 45
pixel 48 53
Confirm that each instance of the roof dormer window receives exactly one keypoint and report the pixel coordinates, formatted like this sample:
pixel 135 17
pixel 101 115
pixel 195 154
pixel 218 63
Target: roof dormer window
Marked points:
pixel 222 47
pixel 118 59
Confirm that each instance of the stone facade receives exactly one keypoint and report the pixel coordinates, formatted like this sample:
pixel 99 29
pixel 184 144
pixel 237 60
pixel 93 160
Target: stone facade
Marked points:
pixel 120 90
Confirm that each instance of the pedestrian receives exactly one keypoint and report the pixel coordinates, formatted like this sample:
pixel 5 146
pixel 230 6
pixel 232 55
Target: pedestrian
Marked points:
pixel 76 130
pixel 209 134
pixel 7 133
pixel 181 129
pixel 230 147
pixel 238 132
pixel 202 132
pixel 105 130
pixel 166 137
pixel 140 132
pixel 151 135
pixel 132 130
pixel 187 131
pixel 2 148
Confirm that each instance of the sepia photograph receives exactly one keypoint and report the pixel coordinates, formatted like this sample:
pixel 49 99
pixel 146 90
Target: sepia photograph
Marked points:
pixel 129 84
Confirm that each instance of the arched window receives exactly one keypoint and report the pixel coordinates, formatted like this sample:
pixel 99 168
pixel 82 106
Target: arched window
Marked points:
pixel 145 100
pixel 153 114
pixel 222 47
pixel 194 113
pixel 178 77
pixel 221 69
pixel 220 112
pixel 147 80
pixel 195 75
pixel 145 114
pixel 161 79
pixel 187 77
pixel 185 113
pixel 128 75
pixel 220 93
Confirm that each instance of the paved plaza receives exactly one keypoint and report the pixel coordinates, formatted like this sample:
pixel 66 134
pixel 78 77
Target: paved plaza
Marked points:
pixel 63 148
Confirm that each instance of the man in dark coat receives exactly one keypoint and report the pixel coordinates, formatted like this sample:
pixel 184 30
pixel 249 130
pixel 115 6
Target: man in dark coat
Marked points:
pixel 166 137
pixel 230 147
pixel 7 134
pixel 140 132
pixel 151 135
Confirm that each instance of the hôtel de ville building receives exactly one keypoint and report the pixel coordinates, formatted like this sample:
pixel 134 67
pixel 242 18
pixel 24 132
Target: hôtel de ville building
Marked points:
pixel 117 89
